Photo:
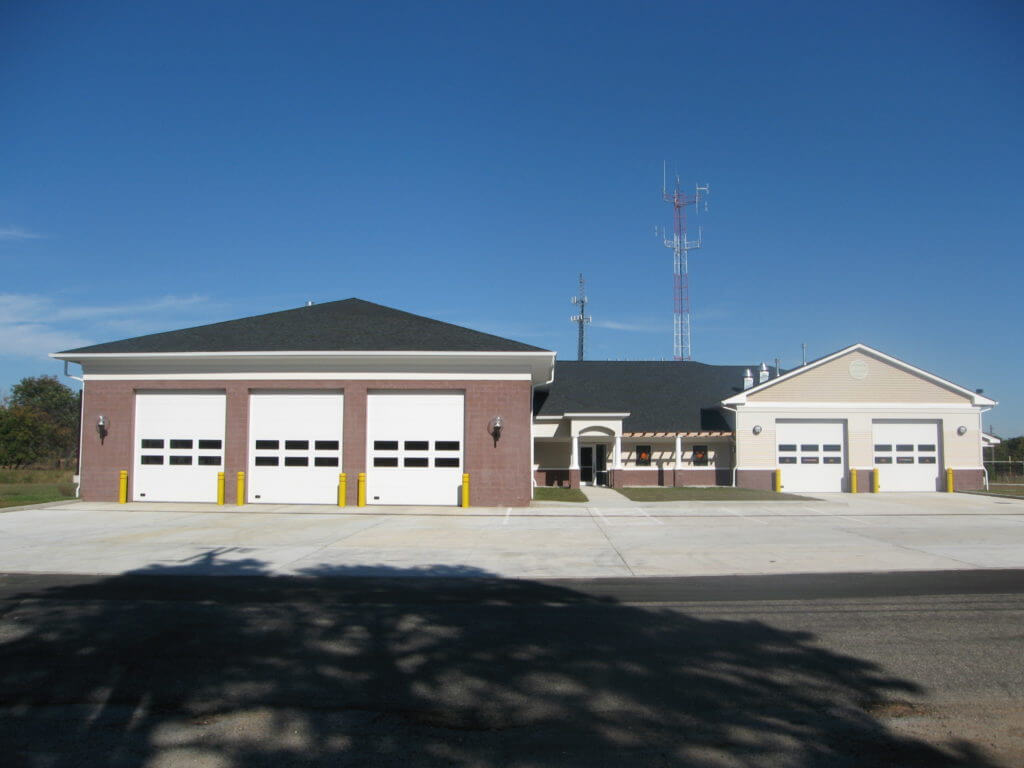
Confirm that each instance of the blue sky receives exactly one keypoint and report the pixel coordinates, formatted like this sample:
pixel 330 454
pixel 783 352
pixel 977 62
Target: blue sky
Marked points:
pixel 166 164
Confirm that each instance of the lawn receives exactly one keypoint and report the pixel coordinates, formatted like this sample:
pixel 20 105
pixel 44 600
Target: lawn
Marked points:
pixel 19 487
pixel 712 493
pixel 996 489
pixel 542 493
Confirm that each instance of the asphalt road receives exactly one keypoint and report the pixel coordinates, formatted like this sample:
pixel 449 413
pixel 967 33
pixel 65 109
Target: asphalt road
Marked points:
pixel 907 669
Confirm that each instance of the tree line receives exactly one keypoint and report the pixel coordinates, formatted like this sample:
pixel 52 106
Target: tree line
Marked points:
pixel 39 424
pixel 1010 448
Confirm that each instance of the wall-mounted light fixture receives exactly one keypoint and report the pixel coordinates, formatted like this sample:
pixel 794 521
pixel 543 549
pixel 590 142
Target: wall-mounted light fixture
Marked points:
pixel 101 427
pixel 495 428
pixel 961 431
pixel 757 429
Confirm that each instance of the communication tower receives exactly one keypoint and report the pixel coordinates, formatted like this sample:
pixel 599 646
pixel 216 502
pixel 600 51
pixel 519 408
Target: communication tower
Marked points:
pixel 681 336
pixel 581 319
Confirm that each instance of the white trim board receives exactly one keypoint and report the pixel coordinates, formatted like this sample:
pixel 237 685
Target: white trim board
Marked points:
pixel 976 399
pixel 762 405
pixel 309 376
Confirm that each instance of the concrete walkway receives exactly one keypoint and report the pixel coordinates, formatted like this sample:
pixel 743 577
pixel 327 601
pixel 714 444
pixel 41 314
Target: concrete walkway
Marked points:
pixel 597 496
pixel 609 537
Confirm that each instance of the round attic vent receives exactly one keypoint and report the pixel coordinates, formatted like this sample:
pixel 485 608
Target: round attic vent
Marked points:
pixel 858 369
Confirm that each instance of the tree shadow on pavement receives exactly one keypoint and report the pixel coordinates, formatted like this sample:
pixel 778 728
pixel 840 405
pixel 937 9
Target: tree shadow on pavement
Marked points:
pixel 182 668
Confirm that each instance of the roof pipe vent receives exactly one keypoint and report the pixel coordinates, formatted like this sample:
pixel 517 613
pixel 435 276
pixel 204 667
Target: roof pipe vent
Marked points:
pixel 748 379
pixel 762 375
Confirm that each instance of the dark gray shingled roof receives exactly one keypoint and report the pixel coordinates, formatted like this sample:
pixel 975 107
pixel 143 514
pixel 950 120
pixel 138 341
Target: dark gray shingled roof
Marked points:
pixel 659 396
pixel 350 325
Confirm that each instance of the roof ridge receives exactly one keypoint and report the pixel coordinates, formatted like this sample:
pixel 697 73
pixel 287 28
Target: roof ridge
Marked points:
pixel 351 324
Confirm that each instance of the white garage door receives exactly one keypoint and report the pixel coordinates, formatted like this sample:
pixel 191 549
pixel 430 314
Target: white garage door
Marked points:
pixel 907 455
pixel 811 455
pixel 179 445
pixel 414 447
pixel 294 447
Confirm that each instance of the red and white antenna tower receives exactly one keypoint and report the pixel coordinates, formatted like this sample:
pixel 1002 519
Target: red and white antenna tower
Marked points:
pixel 680 245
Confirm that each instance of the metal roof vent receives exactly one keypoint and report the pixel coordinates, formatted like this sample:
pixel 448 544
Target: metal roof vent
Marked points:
pixel 748 379
pixel 762 375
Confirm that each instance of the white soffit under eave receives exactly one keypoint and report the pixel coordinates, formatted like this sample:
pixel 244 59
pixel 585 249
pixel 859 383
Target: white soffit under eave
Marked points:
pixel 976 399
pixel 541 364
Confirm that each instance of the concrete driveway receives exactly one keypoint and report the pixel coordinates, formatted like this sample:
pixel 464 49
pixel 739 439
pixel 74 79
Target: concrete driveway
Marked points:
pixel 610 537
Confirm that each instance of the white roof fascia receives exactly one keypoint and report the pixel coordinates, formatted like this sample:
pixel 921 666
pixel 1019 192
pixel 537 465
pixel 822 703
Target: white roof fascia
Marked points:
pixel 782 405
pixel 541 364
pixel 976 399
pixel 990 439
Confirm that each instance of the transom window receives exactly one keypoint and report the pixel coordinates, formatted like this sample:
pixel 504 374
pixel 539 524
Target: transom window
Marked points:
pixel 416 454
pixel 296 452
pixel 180 452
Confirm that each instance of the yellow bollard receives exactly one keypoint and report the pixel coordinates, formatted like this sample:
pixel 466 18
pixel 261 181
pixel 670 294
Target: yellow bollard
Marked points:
pixel 874 480
pixel 777 481
pixel 465 490
pixel 122 487
pixel 342 488
pixel 240 489
pixel 361 496
pixel 220 489
pixel 949 481
pixel 853 481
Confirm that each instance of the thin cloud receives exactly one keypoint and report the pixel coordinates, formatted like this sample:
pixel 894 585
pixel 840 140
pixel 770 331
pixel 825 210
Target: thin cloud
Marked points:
pixel 631 327
pixel 165 303
pixel 32 325
pixel 17 233
pixel 35 340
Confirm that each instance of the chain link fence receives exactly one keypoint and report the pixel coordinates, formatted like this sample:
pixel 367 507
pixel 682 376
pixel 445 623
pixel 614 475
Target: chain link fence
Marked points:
pixel 1006 471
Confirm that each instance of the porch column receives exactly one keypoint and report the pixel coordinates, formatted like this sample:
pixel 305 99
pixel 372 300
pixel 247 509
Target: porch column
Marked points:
pixel 617 458
pixel 679 452
pixel 574 459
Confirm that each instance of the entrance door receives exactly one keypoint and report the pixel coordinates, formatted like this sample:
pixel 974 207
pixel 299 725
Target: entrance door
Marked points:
pixel 601 465
pixel 594 464
pixel 586 464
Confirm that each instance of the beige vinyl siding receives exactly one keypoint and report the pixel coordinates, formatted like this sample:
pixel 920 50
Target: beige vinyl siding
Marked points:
pixel 664 453
pixel 554 454
pixel 759 451
pixel 833 382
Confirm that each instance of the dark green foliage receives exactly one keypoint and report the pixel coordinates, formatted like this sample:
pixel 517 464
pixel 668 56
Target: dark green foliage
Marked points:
pixel 1010 448
pixel 22 436
pixel 38 423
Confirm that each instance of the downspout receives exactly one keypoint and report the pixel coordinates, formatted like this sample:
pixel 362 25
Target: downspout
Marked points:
pixel 533 392
pixel 81 425
pixel 735 455
pixel 981 427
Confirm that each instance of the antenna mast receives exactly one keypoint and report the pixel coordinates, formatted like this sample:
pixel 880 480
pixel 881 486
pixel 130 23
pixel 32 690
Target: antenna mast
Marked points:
pixel 580 299
pixel 680 245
